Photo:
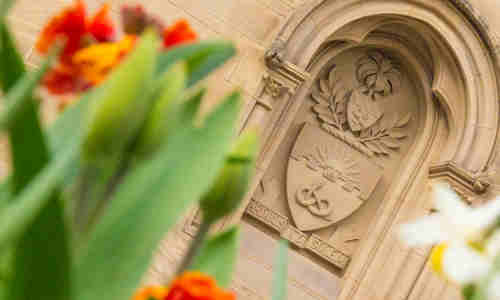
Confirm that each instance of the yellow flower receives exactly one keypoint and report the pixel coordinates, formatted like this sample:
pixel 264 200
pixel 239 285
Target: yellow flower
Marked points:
pixel 96 61
pixel 437 258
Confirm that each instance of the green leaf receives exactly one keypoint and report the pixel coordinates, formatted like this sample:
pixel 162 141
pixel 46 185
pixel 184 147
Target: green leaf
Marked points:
pixel 21 113
pixel 469 291
pixel 41 267
pixel 231 185
pixel 159 123
pixel 5 5
pixel 217 257
pixel 123 103
pixel 148 203
pixel 280 282
pixel 60 136
pixel 191 107
pixel 11 62
pixel 201 58
pixel 18 215
pixel 20 95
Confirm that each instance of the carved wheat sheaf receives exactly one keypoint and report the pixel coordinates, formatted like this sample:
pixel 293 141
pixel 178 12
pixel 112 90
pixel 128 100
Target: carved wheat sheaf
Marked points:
pixel 353 114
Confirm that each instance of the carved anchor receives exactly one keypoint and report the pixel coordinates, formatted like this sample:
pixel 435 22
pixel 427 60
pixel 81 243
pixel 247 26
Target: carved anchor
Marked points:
pixel 307 196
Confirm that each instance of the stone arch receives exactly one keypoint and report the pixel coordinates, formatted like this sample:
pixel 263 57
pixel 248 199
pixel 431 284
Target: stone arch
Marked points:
pixel 454 60
pixel 453 33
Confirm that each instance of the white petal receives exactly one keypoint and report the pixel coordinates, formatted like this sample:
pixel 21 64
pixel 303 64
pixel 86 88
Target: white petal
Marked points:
pixel 464 265
pixel 448 203
pixel 494 288
pixel 487 214
pixel 493 246
pixel 425 231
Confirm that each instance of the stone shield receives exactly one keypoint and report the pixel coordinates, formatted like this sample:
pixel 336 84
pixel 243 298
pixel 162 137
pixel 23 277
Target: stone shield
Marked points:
pixel 327 179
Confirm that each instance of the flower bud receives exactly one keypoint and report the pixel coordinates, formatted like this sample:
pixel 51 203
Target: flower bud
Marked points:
pixel 232 183
pixel 121 104
pixel 164 113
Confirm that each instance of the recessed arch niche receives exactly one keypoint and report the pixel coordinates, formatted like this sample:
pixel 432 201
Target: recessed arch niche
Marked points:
pixel 383 95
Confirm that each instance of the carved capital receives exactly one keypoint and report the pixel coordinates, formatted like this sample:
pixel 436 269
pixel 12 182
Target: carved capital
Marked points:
pixel 460 177
pixel 276 62
pixel 272 88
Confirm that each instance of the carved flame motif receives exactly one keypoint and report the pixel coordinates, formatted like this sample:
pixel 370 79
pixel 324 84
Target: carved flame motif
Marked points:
pixel 336 168
pixel 354 114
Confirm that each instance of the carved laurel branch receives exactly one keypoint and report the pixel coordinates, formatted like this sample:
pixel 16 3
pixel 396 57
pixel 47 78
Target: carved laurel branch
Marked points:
pixel 331 98
pixel 385 135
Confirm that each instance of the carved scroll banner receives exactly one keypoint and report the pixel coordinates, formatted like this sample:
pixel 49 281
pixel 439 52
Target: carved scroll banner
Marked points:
pixel 327 179
pixel 311 243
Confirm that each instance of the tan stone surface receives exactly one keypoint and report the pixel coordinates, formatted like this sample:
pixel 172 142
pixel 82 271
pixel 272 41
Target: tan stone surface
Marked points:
pixel 380 267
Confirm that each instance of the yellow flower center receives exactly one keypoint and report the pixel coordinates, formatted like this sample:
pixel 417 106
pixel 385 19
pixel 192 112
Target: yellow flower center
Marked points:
pixel 96 61
pixel 437 258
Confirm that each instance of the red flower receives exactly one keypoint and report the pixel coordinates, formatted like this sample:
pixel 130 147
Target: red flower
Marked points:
pixel 189 286
pixel 72 26
pixel 179 33
pixel 101 26
pixel 197 286
pixel 63 80
pixel 90 52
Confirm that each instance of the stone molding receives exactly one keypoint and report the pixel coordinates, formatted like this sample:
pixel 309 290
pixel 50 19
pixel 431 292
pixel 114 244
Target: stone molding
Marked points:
pixel 458 176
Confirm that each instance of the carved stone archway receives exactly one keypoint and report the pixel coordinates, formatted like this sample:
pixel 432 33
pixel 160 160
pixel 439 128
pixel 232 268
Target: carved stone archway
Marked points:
pixel 449 60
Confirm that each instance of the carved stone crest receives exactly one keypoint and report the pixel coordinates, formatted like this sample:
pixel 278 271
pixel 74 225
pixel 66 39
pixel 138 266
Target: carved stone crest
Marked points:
pixel 327 180
pixel 354 114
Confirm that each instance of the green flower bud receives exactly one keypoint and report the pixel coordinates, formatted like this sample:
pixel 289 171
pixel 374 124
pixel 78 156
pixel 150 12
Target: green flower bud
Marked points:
pixel 232 183
pixel 166 108
pixel 122 103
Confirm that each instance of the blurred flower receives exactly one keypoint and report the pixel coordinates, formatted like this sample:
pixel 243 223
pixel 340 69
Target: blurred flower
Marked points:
pixel 101 27
pixel 493 291
pixel 64 79
pixel 179 33
pixel 90 51
pixel 136 20
pixel 73 26
pixel 463 255
pixel 96 61
pixel 197 286
pixel 151 292
pixel 189 286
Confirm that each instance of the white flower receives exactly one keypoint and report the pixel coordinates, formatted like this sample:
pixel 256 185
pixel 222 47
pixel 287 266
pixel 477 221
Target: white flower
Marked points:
pixel 456 227
pixel 493 292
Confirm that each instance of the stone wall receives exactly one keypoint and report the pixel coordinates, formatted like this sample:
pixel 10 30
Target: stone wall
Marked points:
pixel 252 25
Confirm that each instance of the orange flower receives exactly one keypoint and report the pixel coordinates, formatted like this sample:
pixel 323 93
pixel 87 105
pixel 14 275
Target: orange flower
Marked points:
pixel 189 286
pixel 179 33
pixel 96 61
pixel 197 286
pixel 151 292
pixel 72 26
pixel 89 53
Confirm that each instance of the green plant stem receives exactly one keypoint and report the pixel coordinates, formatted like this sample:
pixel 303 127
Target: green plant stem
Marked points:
pixel 194 247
